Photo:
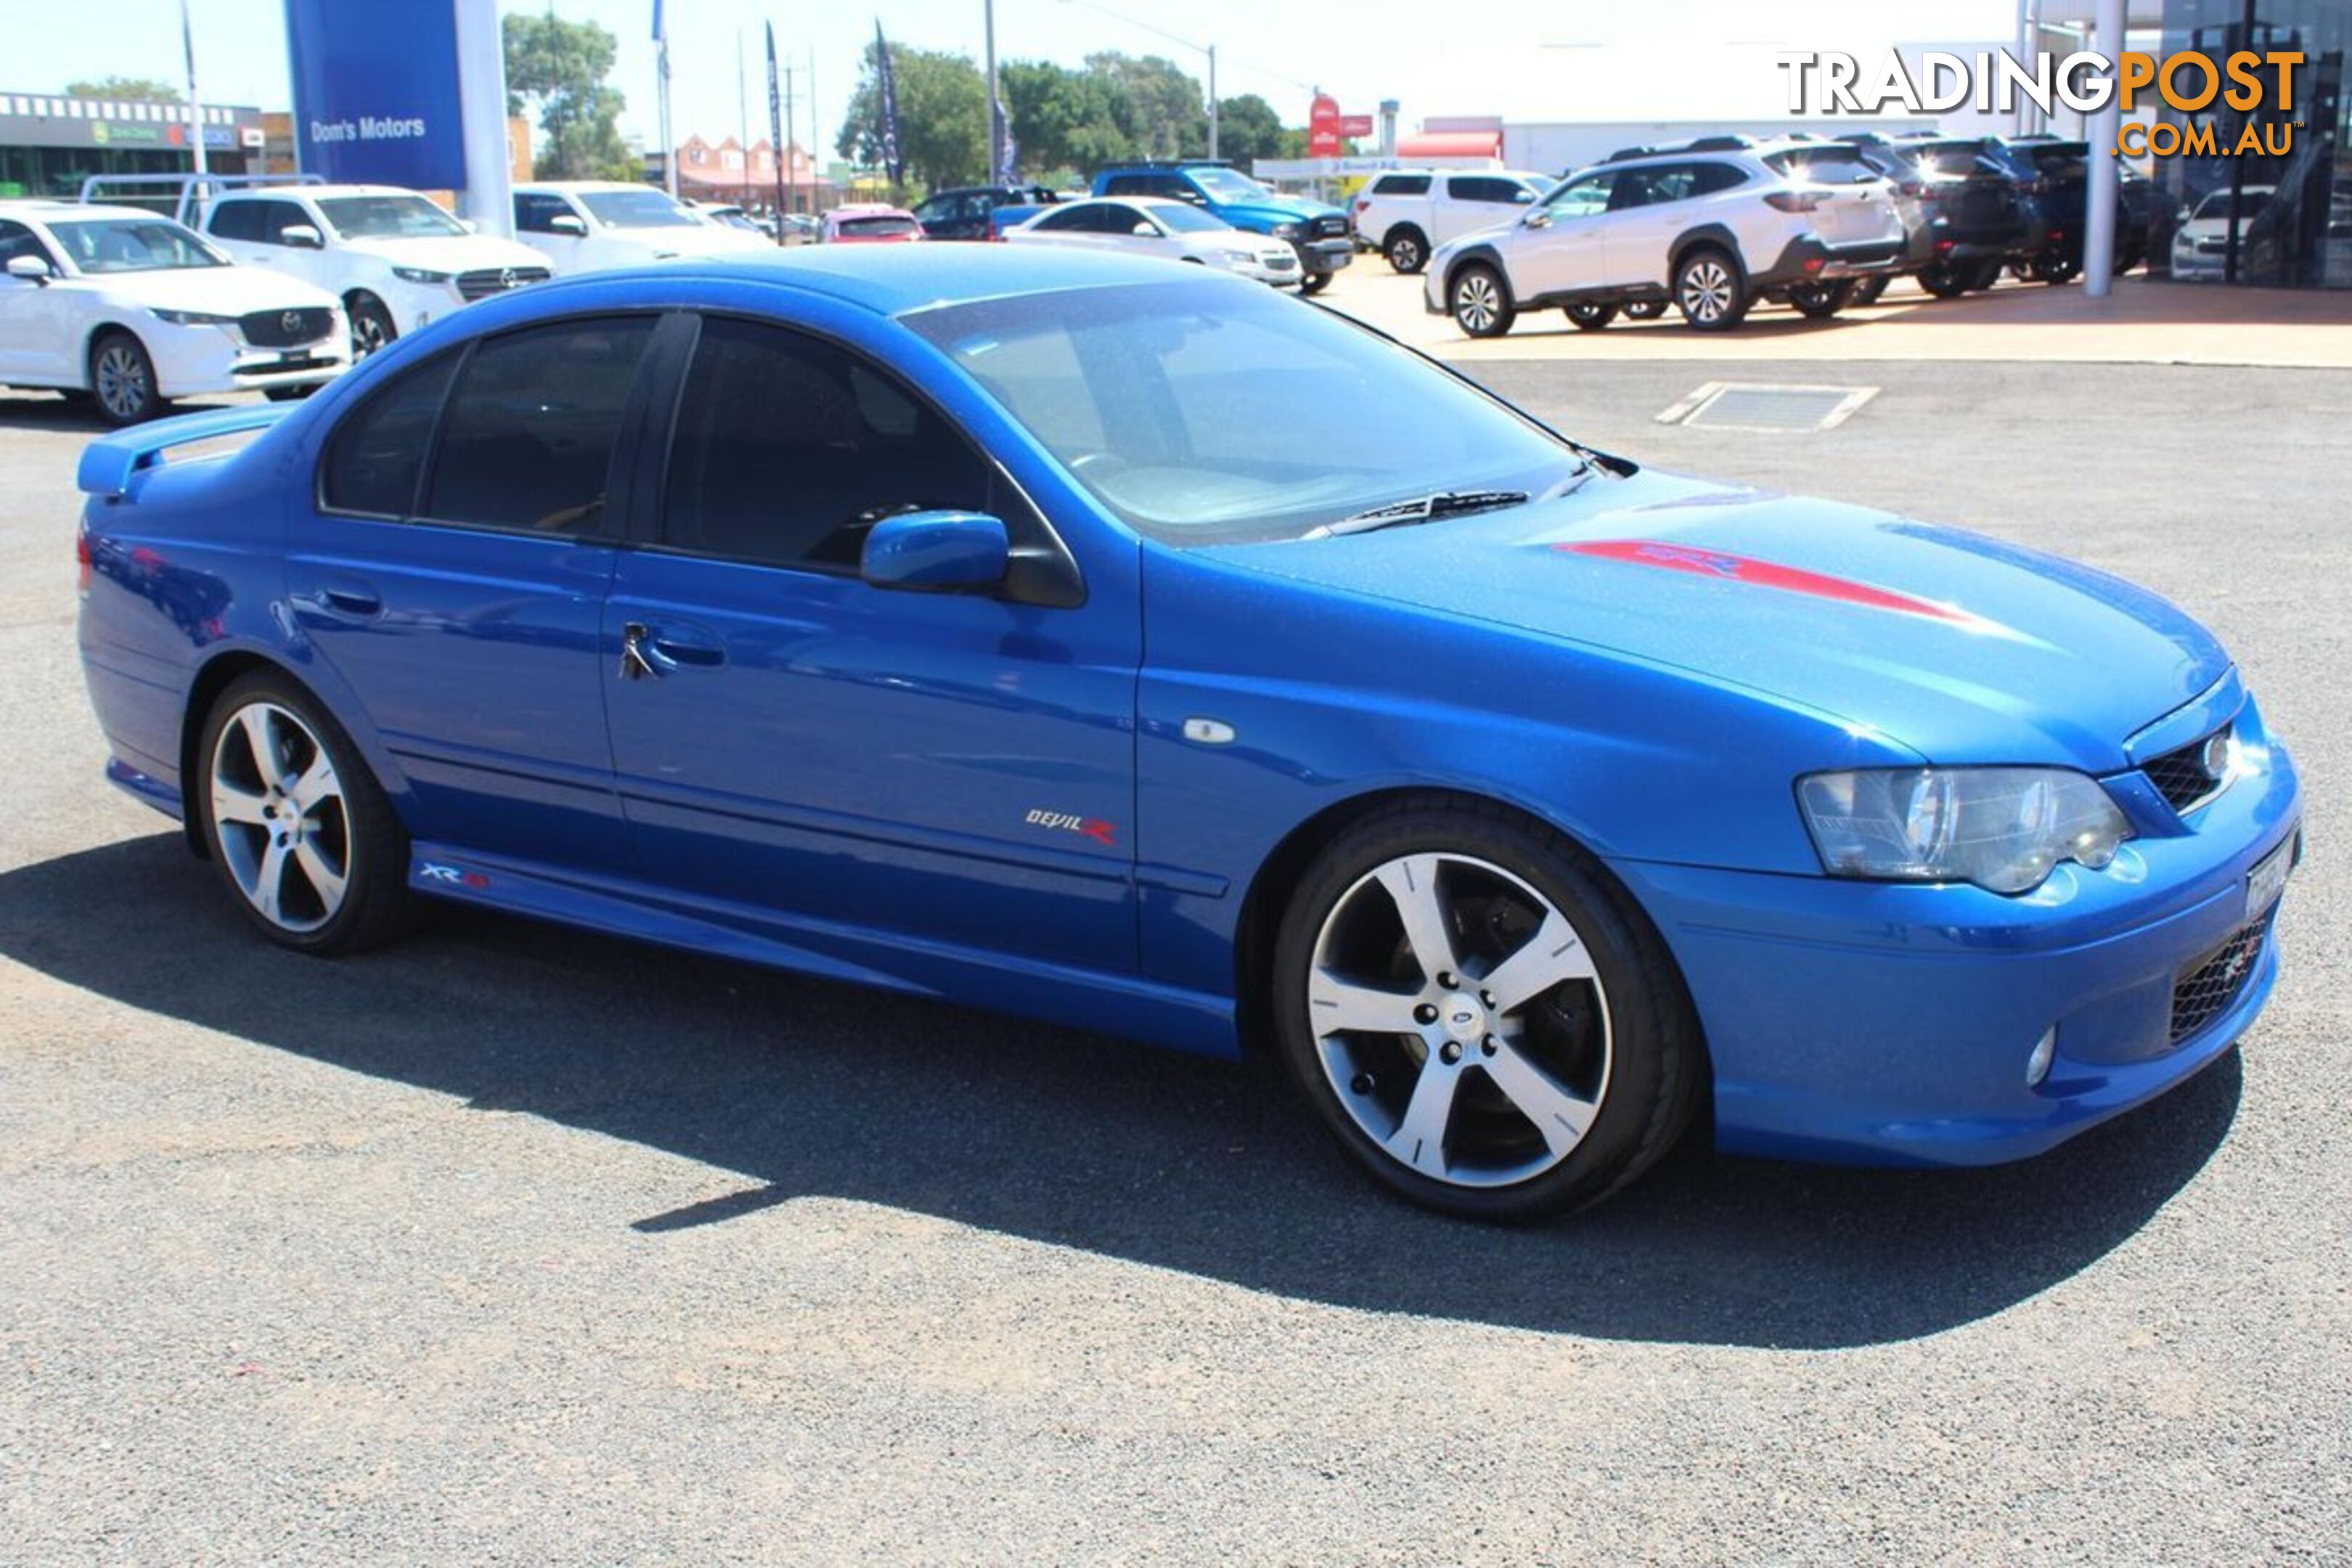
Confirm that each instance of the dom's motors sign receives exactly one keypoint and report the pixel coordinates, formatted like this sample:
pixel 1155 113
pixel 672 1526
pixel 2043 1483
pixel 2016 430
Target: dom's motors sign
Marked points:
pixel 375 92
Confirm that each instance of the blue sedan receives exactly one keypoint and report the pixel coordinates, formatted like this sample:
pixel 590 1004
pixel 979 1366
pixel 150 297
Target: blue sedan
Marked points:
pixel 1161 655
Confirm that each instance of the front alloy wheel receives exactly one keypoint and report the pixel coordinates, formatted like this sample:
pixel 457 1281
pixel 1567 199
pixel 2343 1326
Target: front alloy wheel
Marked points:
pixel 1477 1018
pixel 1479 304
pixel 122 380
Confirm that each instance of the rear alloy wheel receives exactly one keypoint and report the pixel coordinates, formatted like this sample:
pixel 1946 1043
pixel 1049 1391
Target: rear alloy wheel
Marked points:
pixel 297 825
pixel 1646 309
pixel 1710 290
pixel 1944 280
pixel 122 380
pixel 1476 1017
pixel 1407 251
pixel 1313 282
pixel 1867 290
pixel 1478 302
pixel 1591 318
pixel 1983 276
pixel 372 326
pixel 1819 301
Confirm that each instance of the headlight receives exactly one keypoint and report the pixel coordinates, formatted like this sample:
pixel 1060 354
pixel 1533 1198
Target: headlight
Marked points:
pixel 193 318
pixel 1286 231
pixel 421 275
pixel 2005 829
pixel 1238 257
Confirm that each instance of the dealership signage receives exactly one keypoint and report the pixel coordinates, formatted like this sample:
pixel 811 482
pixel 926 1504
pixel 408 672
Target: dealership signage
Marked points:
pixel 375 92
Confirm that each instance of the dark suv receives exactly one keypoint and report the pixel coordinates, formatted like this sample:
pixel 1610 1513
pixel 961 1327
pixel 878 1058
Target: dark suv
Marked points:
pixel 968 212
pixel 1966 212
pixel 2058 175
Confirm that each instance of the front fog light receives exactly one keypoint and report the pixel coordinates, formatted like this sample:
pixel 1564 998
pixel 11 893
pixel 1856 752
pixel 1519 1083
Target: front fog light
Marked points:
pixel 2045 1051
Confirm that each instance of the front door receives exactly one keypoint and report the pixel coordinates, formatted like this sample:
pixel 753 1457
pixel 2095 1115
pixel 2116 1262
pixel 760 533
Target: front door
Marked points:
pixel 1556 250
pixel 956 768
pixel 458 599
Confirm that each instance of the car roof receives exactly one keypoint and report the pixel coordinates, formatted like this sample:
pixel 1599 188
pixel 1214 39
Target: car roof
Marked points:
pixel 892 279
pixel 41 210
pixel 292 189
pixel 560 185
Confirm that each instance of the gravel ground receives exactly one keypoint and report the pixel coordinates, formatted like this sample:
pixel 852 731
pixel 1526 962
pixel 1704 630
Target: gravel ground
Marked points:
pixel 513 1244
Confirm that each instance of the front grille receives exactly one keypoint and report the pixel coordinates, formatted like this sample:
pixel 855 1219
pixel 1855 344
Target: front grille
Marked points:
pixel 285 328
pixel 486 282
pixel 1284 263
pixel 2204 990
pixel 1330 227
pixel 2213 247
pixel 2184 778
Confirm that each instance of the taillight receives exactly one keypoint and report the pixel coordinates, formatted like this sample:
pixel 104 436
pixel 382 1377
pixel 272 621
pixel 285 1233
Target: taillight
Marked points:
pixel 82 560
pixel 1363 203
pixel 1794 201
pixel 1915 189
pixel 2037 187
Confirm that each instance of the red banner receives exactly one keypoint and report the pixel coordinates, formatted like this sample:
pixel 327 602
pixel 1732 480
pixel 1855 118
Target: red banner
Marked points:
pixel 1353 125
pixel 1323 132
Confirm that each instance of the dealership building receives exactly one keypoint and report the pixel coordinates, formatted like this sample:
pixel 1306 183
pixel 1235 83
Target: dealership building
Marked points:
pixel 50 142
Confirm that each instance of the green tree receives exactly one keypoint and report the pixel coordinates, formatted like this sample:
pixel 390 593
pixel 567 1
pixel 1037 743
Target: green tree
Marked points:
pixel 1249 129
pixel 559 67
pixel 1064 120
pixel 126 90
pixel 1162 111
pixel 942 116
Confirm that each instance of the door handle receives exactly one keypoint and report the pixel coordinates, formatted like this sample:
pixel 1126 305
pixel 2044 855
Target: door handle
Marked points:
pixel 652 651
pixel 635 665
pixel 351 597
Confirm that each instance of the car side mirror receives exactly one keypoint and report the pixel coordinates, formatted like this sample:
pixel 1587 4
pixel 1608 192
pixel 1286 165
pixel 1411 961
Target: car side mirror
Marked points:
pixel 1146 230
pixel 564 223
pixel 31 268
pixel 937 552
pixel 302 236
pixel 1539 218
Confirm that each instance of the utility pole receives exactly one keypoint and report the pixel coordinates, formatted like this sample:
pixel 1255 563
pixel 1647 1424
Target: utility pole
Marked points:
pixel 996 121
pixel 817 133
pixel 195 105
pixel 1212 103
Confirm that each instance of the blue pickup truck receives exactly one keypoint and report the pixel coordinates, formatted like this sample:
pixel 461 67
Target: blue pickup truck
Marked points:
pixel 1319 233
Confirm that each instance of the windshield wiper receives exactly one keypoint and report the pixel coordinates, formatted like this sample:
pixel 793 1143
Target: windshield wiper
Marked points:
pixel 1422 509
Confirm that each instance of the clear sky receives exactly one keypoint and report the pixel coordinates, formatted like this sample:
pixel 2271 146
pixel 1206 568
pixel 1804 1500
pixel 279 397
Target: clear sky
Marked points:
pixel 1524 59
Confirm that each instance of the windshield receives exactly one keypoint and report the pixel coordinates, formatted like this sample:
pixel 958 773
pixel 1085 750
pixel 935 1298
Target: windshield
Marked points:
pixel 1182 219
pixel 732 218
pixel 647 208
pixel 1228 186
pixel 133 245
pixel 2217 204
pixel 1217 412
pixel 388 218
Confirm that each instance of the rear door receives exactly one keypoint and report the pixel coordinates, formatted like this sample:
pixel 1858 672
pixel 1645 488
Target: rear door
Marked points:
pixel 1474 201
pixel 451 570
pixel 956 768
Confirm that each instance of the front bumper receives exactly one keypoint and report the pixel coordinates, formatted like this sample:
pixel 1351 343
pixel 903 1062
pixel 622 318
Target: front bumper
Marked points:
pixel 1321 256
pixel 1892 1025
pixel 192 361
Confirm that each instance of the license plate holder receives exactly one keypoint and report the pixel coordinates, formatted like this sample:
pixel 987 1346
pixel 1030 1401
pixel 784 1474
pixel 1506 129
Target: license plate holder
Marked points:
pixel 2267 881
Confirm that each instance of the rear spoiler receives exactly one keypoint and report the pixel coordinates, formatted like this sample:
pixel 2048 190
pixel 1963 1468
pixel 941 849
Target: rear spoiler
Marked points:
pixel 110 463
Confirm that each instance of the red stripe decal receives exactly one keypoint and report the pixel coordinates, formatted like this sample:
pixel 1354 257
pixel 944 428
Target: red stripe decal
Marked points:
pixel 1762 574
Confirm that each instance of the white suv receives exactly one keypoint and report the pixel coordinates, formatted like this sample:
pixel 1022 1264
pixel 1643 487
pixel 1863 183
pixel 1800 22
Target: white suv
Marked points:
pixel 1406 214
pixel 394 259
pixel 1712 227
pixel 131 310
pixel 579 226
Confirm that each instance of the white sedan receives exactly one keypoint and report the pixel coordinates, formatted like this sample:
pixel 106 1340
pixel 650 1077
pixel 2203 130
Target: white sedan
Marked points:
pixel 132 309
pixel 582 225
pixel 1152 225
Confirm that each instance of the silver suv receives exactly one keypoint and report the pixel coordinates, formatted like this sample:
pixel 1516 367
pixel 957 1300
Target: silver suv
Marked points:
pixel 1712 227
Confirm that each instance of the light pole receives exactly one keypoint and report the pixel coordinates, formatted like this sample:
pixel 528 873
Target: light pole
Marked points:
pixel 995 120
pixel 1208 49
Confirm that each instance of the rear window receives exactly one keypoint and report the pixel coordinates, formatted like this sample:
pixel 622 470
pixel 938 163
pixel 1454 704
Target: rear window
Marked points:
pixel 878 228
pixel 1956 159
pixel 1823 165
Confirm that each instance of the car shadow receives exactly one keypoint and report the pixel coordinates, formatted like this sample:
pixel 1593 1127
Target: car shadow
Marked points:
pixel 71 417
pixel 805 1087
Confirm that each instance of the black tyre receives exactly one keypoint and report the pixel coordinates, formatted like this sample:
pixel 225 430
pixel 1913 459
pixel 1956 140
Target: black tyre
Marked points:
pixel 1481 1019
pixel 2059 270
pixel 371 325
pixel 1944 280
pixel 1646 309
pixel 1866 291
pixel 298 829
pixel 1983 276
pixel 1591 318
pixel 1479 302
pixel 289 393
pixel 1819 301
pixel 1315 282
pixel 1407 249
pixel 122 379
pixel 1711 290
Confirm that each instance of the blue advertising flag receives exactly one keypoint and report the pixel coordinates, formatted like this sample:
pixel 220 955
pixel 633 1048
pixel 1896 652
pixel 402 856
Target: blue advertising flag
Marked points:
pixel 661 31
pixel 1008 171
pixel 375 92
pixel 892 163
pixel 776 128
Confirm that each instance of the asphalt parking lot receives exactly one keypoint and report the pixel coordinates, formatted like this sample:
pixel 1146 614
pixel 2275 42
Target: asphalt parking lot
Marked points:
pixel 516 1244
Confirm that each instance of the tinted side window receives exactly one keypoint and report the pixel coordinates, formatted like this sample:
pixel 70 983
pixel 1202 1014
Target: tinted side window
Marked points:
pixel 378 451
pixel 272 219
pixel 17 240
pixel 236 220
pixel 788 448
pixel 529 436
pixel 535 214
pixel 1709 178
pixel 1068 218
pixel 1653 187
pixel 1484 188
pixel 1401 185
